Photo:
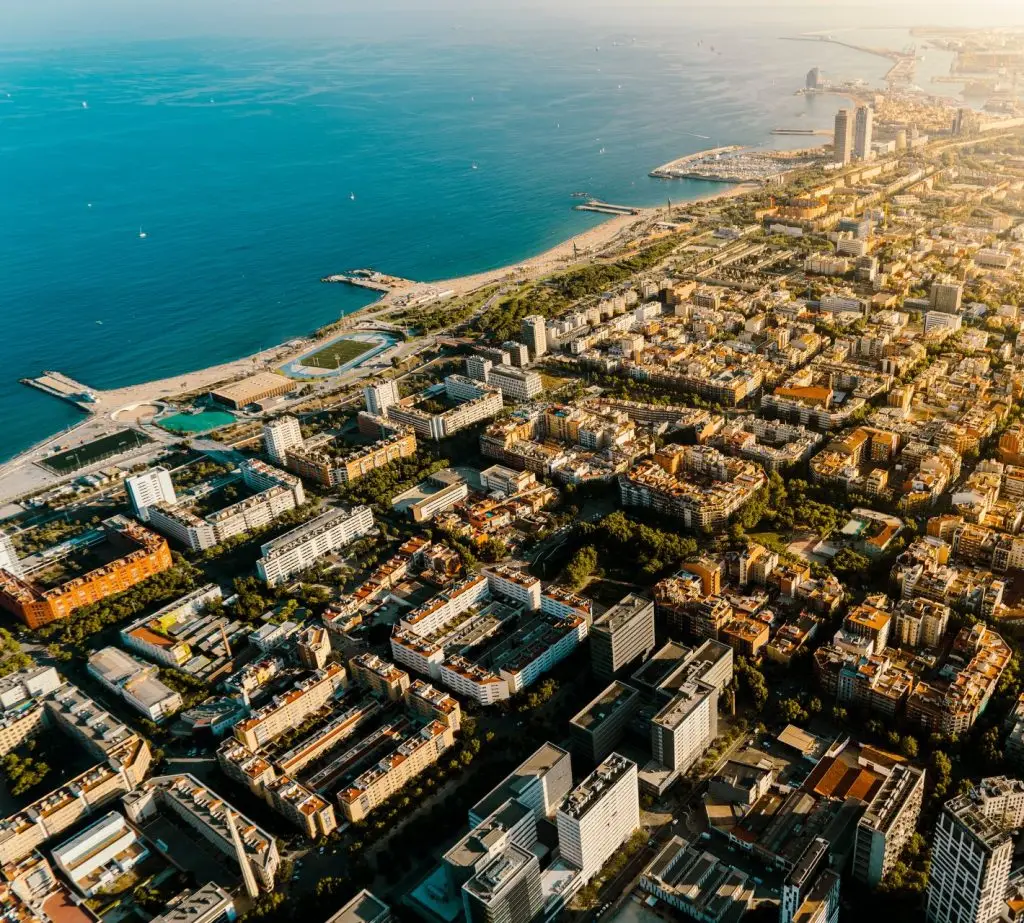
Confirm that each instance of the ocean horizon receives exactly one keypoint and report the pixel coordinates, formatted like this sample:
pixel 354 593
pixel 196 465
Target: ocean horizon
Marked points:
pixel 256 166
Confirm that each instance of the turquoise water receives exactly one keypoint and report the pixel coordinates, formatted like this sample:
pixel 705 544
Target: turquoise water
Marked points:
pixel 239 159
pixel 197 422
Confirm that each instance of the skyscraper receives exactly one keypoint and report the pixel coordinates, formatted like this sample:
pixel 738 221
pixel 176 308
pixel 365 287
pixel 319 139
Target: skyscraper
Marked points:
pixel 864 129
pixel 534 334
pixel 843 143
pixel 506 890
pixel 813 79
pixel 599 815
pixel 621 635
pixel 971 852
pixel 280 435
pixel 380 396
pixel 148 489
pixel 946 297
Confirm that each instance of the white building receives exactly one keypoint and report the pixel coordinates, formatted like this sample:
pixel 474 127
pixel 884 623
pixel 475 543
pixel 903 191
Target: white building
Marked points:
pixel 972 848
pixel 516 384
pixel 148 489
pixel 939 320
pixel 208 904
pixel 506 890
pixel 888 824
pixel 9 557
pixel 518 585
pixel 844 130
pixel 599 815
pixel 298 549
pixel 100 854
pixel 534 334
pixel 135 682
pixel 280 435
pixel 683 730
pixel 380 396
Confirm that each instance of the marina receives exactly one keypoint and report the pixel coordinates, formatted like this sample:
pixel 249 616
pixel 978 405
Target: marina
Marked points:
pixel 737 164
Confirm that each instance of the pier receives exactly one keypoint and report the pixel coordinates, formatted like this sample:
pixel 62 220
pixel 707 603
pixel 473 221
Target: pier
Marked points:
pixel 823 132
pixel 59 385
pixel 369 278
pixel 606 208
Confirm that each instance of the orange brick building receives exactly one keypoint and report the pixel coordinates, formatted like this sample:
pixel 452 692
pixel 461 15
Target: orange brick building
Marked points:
pixel 147 554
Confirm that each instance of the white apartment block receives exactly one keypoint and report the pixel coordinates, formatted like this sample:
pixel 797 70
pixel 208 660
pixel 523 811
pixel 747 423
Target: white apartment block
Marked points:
pixel 516 384
pixel 599 815
pixel 683 730
pixel 888 824
pixel 280 435
pixel 148 489
pixel 300 548
pixel 380 396
pixel 972 848
pixel 534 335
pixel 520 586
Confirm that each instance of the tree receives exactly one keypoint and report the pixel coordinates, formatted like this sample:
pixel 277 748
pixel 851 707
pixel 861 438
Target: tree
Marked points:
pixel 791 711
pixel 581 566
pixel 908 746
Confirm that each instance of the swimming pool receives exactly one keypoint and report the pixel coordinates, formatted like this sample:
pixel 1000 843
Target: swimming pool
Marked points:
pixel 197 422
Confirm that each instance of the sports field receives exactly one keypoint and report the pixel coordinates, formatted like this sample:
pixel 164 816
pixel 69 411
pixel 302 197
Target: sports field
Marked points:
pixel 97 450
pixel 338 353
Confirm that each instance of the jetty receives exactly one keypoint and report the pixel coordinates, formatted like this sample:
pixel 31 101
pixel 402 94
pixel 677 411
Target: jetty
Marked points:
pixel 60 385
pixel 823 132
pixel 606 208
pixel 369 278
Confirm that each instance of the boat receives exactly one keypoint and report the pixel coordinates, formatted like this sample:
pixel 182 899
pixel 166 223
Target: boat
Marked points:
pixel 352 196
pixel 142 233
pixel 475 167
pixel 601 151
pixel 85 105
pixel 581 195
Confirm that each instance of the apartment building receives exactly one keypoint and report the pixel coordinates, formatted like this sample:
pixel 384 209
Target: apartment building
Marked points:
pixel 599 815
pixel 291 553
pixel 683 730
pixel 279 436
pixel 149 488
pixel 972 848
pixel 517 385
pixel 541 782
pixel 380 676
pixel 888 824
pixel 598 728
pixel 290 709
pixel 624 633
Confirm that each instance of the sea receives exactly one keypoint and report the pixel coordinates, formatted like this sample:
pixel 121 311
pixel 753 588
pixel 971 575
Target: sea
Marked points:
pixel 256 164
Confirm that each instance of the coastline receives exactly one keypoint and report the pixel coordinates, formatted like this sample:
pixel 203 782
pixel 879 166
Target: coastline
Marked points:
pixel 588 244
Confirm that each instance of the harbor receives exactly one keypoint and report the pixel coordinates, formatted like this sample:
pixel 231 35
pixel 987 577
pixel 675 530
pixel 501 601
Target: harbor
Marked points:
pixel 737 164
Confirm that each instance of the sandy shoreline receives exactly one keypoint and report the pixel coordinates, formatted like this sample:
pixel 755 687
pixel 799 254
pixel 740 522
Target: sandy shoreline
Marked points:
pixel 588 244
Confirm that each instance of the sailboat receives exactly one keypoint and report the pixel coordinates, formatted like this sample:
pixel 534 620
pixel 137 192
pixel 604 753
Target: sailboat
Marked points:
pixel 352 196
pixel 142 233
pixel 475 166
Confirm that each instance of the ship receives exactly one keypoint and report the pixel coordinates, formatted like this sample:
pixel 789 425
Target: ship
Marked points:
pixel 581 195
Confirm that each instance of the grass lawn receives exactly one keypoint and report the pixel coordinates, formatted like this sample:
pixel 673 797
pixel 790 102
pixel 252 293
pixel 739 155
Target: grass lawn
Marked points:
pixel 338 353
pixel 97 450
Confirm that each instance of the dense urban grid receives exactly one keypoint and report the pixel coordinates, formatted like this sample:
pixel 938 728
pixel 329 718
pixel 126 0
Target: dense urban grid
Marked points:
pixel 690 575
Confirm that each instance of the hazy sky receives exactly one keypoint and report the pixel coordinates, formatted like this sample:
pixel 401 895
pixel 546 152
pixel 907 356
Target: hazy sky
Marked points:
pixel 62 20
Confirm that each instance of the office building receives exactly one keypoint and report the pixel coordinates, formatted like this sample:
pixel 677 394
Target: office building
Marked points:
pixel 147 489
pixel 9 556
pixel 622 635
pixel 365 907
pixel 533 333
pixel 135 682
pixel 599 815
pixel 279 436
pixel 888 824
pixel 683 730
pixel 972 848
pixel 863 133
pixel 380 396
pixel 516 384
pixel 100 854
pixel 843 143
pixel 506 890
pixel 291 553
pixel 946 297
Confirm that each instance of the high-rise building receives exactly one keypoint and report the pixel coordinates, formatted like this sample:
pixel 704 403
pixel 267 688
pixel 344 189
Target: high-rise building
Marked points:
pixel 813 81
pixel 9 557
pixel 888 824
pixel 800 881
pixel 506 890
pixel 685 728
pixel 624 633
pixel 148 489
pixel 280 435
pixel 863 133
pixel 599 815
pixel 380 396
pixel 843 142
pixel 540 782
pixel 946 297
pixel 972 847
pixel 534 334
